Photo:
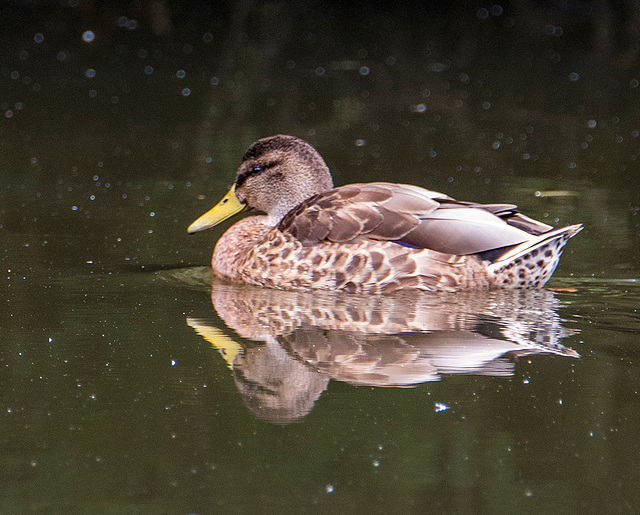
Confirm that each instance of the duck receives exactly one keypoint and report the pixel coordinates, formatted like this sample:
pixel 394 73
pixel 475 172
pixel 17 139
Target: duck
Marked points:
pixel 373 237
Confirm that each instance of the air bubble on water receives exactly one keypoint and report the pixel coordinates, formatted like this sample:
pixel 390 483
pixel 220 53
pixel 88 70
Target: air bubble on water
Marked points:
pixel 90 73
pixel 181 74
pixel 38 38
pixel 88 36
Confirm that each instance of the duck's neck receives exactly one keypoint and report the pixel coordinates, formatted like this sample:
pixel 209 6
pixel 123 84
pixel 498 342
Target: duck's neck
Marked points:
pixel 234 245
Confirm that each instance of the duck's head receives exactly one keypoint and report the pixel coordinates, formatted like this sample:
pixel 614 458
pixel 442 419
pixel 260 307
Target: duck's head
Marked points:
pixel 276 174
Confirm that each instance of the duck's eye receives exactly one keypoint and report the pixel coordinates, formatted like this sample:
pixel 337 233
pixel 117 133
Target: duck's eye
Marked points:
pixel 249 173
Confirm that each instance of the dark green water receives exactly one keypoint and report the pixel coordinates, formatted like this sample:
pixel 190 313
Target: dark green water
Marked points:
pixel 131 382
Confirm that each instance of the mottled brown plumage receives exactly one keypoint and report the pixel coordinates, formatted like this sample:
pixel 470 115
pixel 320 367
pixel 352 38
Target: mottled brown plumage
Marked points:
pixel 373 237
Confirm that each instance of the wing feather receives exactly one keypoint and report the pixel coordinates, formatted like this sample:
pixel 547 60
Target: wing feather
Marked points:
pixel 408 215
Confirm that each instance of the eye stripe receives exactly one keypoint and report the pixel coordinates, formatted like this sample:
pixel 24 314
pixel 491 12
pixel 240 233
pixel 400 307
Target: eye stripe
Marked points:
pixel 256 170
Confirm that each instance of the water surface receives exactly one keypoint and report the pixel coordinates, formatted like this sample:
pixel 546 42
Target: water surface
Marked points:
pixel 134 382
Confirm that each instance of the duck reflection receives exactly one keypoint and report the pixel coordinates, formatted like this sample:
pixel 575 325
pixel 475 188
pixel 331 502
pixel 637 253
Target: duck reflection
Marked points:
pixel 306 339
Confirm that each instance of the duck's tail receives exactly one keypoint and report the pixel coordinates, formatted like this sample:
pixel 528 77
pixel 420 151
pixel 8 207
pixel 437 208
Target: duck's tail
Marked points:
pixel 530 264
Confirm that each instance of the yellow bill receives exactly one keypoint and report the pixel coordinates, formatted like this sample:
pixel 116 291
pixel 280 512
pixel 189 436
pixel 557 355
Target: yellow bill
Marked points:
pixel 226 208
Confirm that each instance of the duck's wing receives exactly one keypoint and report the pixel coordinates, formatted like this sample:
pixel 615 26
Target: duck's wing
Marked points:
pixel 410 216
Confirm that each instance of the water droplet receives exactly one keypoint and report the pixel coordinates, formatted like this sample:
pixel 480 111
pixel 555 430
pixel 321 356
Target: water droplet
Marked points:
pixel 439 406
pixel 181 74
pixel 90 73
pixel 186 92
pixel 329 488
pixel 38 38
pixel 482 14
pixel 375 463
pixel 148 70
pixel 573 76
pixel 364 70
pixel 88 36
